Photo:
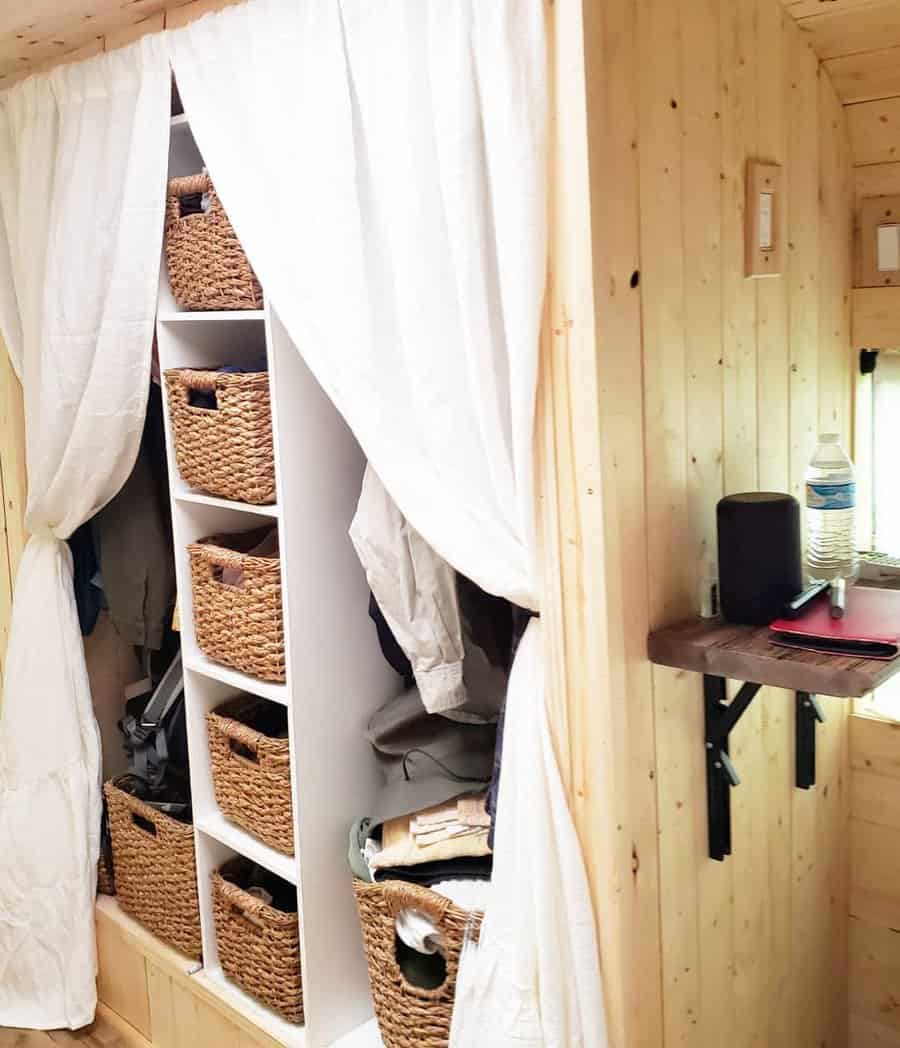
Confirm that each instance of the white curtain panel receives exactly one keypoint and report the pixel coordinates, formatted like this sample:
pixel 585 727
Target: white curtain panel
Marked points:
pixel 82 193
pixel 384 166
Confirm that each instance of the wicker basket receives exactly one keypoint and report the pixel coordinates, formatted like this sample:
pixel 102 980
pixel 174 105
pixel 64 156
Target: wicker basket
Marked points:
pixel 410 1016
pixel 259 946
pixel 207 265
pixel 156 872
pixel 238 625
pixel 226 450
pixel 251 769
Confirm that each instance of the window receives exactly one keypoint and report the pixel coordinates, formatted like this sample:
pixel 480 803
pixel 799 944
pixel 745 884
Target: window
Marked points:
pixel 877 448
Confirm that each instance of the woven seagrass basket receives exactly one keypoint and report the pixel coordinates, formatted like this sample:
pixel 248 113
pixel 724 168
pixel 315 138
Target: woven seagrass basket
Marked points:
pixel 207 265
pixel 251 769
pixel 238 623
pixel 156 871
pixel 259 946
pixel 410 1016
pixel 225 450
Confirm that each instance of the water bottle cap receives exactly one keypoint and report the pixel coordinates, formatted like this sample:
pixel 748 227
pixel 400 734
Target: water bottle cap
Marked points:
pixel 829 438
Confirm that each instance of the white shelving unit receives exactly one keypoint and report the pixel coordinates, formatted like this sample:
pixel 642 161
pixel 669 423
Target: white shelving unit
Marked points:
pixel 336 675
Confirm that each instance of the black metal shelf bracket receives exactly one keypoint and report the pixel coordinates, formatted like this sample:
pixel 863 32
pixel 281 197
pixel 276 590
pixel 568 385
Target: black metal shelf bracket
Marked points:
pixel 809 713
pixel 720 717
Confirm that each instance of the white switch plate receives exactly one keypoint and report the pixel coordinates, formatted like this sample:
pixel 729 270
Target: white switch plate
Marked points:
pixel 888 248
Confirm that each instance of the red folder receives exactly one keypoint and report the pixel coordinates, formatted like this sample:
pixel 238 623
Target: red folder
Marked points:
pixel 870 627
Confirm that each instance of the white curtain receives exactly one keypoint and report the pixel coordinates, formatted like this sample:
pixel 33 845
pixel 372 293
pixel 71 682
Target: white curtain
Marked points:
pixel 384 166
pixel 82 191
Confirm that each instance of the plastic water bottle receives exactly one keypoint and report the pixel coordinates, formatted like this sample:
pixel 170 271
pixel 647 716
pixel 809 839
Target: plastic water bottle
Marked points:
pixel 830 510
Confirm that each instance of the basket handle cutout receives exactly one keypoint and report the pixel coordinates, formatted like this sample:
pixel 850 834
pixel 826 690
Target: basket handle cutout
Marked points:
pixel 253 923
pixel 225 576
pixel 243 750
pixel 204 400
pixel 143 823
pixel 423 971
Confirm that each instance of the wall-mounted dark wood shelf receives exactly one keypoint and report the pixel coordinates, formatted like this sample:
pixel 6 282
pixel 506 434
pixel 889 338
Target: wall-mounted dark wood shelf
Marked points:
pixel 722 651
pixel 746 653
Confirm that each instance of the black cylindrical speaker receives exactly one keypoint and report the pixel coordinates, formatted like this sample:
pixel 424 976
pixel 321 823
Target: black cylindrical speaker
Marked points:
pixel 759 555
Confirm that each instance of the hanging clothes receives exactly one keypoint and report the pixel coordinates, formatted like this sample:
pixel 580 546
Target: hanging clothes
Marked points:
pixel 133 540
pixel 456 637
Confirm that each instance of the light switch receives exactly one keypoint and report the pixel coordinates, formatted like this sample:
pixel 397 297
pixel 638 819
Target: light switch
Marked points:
pixel 763 220
pixel 888 248
pixel 766 211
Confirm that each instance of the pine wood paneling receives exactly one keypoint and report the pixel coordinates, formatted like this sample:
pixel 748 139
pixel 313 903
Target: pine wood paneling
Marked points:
pixel 853 28
pixel 875 896
pixel 876 317
pixel 738 376
pixel 867 76
pixel 875 131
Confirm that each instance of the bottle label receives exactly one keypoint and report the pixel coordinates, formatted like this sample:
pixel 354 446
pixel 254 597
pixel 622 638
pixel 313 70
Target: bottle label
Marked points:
pixel 831 496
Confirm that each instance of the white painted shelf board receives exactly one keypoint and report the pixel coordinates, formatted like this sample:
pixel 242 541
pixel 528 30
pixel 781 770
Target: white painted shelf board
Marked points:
pixel 366 1036
pixel 180 120
pixel 215 825
pixel 213 316
pixel 199 499
pixel 264 689
pixel 287 1033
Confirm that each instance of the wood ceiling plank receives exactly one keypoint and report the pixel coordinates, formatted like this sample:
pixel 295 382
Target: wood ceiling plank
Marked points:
pixel 875 131
pixel 49 31
pixel 866 77
pixel 853 30
pixel 807 8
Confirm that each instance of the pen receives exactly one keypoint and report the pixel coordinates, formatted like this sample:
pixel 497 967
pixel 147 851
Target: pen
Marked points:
pixel 838 598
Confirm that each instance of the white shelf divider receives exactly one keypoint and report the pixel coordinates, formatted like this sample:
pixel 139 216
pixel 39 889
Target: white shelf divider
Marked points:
pixel 213 316
pixel 238 681
pixel 336 675
pixel 240 507
pixel 215 825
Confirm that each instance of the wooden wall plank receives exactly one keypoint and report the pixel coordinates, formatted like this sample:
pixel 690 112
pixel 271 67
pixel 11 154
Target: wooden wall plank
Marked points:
pixel 773 444
pixel 772 300
pixel 122 981
pixel 875 746
pixel 866 1033
pixel 748 987
pixel 662 301
pixel 865 77
pixel 876 798
pixel 671 557
pixel 803 256
pixel 876 318
pixel 875 974
pixel 847 31
pixel 876 180
pixel 876 873
pixel 737 33
pixel 610 45
pixel 834 278
pixel 875 131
